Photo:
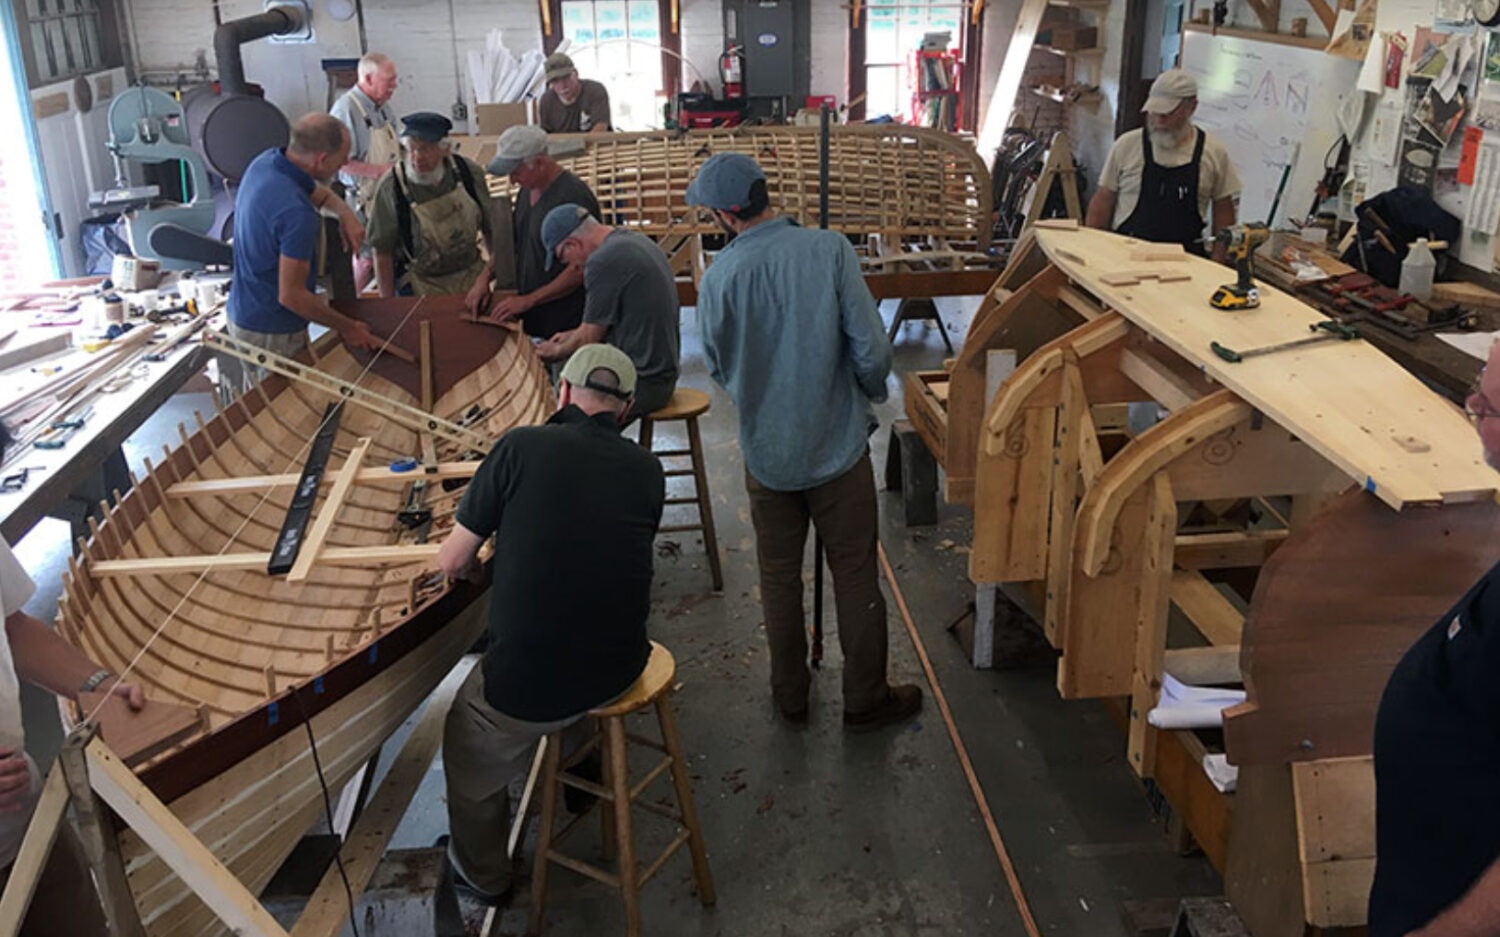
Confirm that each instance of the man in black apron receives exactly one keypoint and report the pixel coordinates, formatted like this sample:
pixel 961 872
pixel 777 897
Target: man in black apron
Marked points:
pixel 1437 757
pixel 1158 180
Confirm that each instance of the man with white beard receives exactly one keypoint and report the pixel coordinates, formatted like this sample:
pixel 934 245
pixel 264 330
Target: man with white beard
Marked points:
pixel 1159 180
pixel 427 217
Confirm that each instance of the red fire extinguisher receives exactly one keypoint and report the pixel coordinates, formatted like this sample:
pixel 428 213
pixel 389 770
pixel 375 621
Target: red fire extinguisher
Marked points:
pixel 732 73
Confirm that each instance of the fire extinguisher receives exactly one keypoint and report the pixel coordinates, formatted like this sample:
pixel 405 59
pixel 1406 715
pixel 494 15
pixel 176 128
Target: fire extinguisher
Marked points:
pixel 731 71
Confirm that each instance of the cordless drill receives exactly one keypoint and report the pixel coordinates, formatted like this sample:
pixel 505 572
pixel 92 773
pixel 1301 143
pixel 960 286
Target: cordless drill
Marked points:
pixel 1240 242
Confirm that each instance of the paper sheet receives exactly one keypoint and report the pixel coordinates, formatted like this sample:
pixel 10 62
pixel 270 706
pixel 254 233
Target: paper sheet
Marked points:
pixel 1224 775
pixel 1476 344
pixel 1483 209
pixel 1184 706
pixel 1385 133
pixel 1372 72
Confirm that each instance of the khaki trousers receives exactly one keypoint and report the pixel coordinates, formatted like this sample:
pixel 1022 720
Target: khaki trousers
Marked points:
pixel 844 513
pixel 238 376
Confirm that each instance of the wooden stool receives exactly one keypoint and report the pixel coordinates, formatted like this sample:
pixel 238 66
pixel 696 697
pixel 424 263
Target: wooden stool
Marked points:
pixel 617 796
pixel 687 405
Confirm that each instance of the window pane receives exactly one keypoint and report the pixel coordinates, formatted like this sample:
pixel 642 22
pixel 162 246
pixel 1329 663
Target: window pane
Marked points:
pixel 883 87
pixel 91 29
pixel 610 17
pixel 39 48
pixel 645 21
pixel 578 21
pixel 55 48
pixel 882 45
pixel 73 36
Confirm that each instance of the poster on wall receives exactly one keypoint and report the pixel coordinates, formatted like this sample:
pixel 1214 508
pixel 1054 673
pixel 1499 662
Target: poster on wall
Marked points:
pixel 1418 163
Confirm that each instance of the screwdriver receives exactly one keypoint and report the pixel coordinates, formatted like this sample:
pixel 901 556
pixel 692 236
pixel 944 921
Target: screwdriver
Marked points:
pixel 1327 329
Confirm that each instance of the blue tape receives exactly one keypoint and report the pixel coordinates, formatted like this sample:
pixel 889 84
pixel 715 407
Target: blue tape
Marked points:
pixel 273 713
pixel 1369 484
pixel 374 653
pixel 317 686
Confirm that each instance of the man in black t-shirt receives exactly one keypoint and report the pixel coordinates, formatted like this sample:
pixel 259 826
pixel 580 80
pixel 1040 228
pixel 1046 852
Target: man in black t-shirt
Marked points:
pixel 1437 756
pixel 574 507
pixel 549 297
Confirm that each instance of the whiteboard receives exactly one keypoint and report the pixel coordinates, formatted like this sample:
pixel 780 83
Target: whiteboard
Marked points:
pixel 1263 99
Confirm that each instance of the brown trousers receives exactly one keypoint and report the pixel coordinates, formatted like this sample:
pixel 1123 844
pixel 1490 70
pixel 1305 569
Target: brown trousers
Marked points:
pixel 65 901
pixel 844 513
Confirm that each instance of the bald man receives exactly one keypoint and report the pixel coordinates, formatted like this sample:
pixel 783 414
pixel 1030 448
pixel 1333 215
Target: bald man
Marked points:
pixel 276 233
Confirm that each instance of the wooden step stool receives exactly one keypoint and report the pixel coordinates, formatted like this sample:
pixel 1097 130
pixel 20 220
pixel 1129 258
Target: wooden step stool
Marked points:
pixel 617 796
pixel 687 405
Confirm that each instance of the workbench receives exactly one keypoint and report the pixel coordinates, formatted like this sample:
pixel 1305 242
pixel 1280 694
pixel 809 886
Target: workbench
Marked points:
pixel 90 464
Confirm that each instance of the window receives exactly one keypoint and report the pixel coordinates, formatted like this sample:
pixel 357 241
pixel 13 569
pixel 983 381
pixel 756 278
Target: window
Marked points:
pixel 63 38
pixel 619 43
pixel 895 30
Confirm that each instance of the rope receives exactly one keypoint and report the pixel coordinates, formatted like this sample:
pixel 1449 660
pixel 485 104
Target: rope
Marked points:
pixel 234 537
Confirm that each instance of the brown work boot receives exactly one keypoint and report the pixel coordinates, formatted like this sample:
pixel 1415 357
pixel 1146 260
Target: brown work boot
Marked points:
pixel 902 702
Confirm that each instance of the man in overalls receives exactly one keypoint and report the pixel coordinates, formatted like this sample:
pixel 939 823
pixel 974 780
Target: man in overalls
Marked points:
pixel 428 215
pixel 373 146
pixel 1159 180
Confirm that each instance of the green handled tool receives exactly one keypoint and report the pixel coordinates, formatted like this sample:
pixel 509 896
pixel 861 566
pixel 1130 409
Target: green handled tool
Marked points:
pixel 1327 331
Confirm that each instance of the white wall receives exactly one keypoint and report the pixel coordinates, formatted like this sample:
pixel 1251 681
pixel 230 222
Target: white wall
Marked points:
pixel 1092 126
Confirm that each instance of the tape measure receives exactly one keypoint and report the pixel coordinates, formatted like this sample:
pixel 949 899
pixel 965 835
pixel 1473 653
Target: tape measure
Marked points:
pixel 404 465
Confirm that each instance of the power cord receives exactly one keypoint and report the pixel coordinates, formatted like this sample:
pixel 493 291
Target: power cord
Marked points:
pixel 338 859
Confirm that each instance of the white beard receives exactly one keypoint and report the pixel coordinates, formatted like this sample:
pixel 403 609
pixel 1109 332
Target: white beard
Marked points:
pixel 1168 139
pixel 433 178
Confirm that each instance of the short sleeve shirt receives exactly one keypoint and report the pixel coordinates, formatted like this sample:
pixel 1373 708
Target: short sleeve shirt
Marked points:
pixel 565 312
pixel 631 292
pixel 360 124
pixel 16 589
pixel 383 231
pixel 274 217
pixel 574 508
pixel 1127 161
pixel 589 110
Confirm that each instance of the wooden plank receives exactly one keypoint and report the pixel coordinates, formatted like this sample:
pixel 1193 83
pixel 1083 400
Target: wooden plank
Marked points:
pixel 254 484
pixel 307 557
pixel 1204 665
pixel 222 562
pixel 1226 550
pixel 96 833
pixel 1067 485
pixel 1206 812
pixel 1335 800
pixel 1215 617
pixel 136 736
pixel 327 911
pixel 1151 622
pixel 1012 500
pixel 1174 387
pixel 1336 894
pixel 193 862
pixel 31 860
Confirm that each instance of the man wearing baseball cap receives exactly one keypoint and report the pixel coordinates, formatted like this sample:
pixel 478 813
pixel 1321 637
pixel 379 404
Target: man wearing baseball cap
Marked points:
pixel 574 507
pixel 1159 180
pixel 572 104
pixel 630 300
pixel 549 297
pixel 791 332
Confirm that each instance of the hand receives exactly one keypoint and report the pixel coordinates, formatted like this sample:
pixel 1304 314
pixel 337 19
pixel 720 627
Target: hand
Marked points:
pixel 351 232
pixel 550 350
pixel 131 693
pixel 477 299
pixel 473 572
pixel 512 307
pixel 15 781
pixel 357 335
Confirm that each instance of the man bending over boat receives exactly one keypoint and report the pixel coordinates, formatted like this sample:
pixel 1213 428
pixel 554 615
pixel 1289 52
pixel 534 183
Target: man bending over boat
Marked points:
pixel 574 507
pixel 64 902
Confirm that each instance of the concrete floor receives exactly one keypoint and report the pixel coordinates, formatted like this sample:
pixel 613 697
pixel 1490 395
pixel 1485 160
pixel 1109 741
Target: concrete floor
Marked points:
pixel 815 831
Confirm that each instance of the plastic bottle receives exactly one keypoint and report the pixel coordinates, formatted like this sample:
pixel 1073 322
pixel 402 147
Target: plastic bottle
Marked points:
pixel 1417 270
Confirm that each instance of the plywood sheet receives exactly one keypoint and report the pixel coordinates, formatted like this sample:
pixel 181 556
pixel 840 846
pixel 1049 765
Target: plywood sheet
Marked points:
pixel 1346 399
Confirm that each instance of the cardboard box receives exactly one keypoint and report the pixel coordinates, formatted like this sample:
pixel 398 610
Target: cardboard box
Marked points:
pixel 1069 37
pixel 494 119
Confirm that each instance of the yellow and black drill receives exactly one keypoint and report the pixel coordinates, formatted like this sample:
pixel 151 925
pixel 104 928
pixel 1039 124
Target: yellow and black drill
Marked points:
pixel 1240 242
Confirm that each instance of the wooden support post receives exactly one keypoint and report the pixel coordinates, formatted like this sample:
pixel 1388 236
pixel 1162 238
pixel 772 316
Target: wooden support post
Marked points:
pixel 31 861
pixel 1067 487
pixel 97 833
pixel 307 557
pixel 1151 620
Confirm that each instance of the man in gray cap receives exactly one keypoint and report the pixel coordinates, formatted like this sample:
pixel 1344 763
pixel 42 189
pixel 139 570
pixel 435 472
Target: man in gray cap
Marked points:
pixel 549 297
pixel 630 300
pixel 1158 181
pixel 572 104
pixel 791 332
pixel 574 508
pixel 427 217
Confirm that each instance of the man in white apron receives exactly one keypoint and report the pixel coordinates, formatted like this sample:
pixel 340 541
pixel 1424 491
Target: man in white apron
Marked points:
pixel 373 145
pixel 428 215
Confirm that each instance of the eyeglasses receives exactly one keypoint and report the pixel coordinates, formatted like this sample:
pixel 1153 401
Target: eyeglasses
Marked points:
pixel 1476 405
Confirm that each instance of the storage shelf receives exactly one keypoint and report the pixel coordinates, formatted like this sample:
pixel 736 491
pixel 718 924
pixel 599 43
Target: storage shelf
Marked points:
pixel 1068 53
pixel 1061 98
pixel 1080 4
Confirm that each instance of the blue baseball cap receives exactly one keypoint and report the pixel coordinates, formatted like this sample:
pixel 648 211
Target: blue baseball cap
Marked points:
pixel 560 222
pixel 724 182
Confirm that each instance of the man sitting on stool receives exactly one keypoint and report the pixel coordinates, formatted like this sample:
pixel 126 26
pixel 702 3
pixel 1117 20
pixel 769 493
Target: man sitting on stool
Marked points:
pixel 574 507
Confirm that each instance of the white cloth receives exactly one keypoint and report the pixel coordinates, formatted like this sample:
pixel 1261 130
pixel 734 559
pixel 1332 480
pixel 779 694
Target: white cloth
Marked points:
pixel 1184 706
pixel 1127 161
pixel 16 589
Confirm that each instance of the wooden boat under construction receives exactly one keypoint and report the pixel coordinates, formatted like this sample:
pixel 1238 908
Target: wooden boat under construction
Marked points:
pixel 173 585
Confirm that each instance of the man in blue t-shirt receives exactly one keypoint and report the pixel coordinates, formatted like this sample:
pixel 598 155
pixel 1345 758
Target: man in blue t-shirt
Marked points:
pixel 276 235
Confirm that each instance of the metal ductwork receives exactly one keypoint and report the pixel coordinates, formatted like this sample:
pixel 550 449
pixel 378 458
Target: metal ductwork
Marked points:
pixel 229 37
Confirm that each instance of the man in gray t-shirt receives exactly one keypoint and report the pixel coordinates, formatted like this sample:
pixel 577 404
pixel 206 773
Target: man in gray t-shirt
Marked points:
pixel 631 300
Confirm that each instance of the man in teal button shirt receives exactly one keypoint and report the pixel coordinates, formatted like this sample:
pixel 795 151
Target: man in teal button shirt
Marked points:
pixel 791 332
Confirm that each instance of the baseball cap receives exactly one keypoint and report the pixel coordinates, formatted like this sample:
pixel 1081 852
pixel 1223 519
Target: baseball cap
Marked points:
pixel 560 222
pixel 591 358
pixel 1170 89
pixel 559 66
pixel 426 125
pixel 724 182
pixel 517 145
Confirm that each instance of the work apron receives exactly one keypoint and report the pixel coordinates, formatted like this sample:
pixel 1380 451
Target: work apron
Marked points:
pixel 445 253
pixel 1167 210
pixel 384 150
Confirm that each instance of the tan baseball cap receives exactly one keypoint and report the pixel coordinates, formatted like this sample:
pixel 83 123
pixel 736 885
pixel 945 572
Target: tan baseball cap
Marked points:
pixel 558 65
pixel 591 358
pixel 1170 89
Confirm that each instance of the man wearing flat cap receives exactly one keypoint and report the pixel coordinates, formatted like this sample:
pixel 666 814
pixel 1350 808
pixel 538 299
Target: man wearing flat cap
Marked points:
pixel 427 217
pixel 549 297
pixel 572 104
pixel 1159 180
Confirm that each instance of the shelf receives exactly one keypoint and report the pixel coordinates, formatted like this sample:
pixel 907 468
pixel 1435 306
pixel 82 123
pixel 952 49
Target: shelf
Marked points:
pixel 1067 53
pixel 1061 98
pixel 1079 4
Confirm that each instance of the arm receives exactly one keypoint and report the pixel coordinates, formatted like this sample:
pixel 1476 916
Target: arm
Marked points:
pixel 1223 217
pixel 292 292
pixel 566 282
pixel 710 321
pixel 1476 914
pixel 1101 212
pixel 564 344
pixel 459 555
pixel 42 657
pixel 869 349
pixel 364 170
pixel 385 273
pixel 353 233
